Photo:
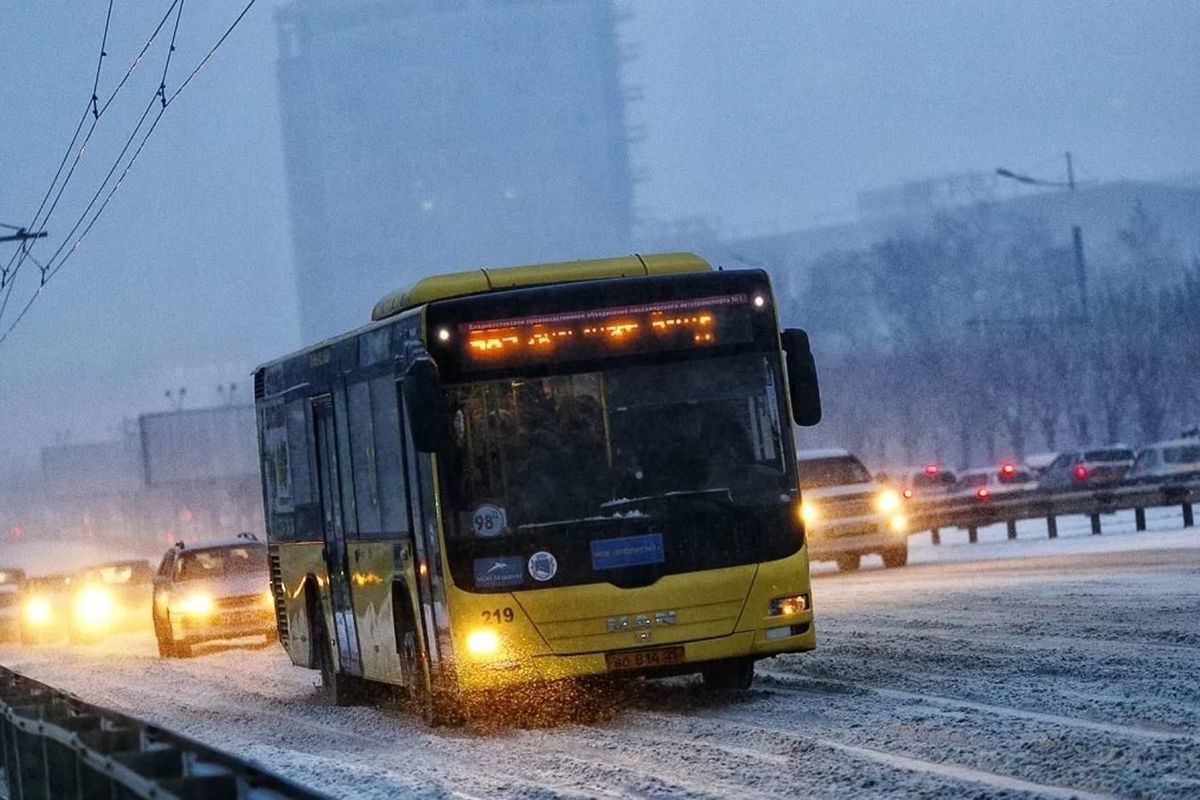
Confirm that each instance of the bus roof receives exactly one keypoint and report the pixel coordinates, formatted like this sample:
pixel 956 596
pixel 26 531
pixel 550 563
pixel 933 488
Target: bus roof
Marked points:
pixel 479 281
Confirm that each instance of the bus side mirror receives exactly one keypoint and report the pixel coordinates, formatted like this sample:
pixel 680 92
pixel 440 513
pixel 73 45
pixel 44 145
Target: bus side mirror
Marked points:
pixel 426 410
pixel 802 378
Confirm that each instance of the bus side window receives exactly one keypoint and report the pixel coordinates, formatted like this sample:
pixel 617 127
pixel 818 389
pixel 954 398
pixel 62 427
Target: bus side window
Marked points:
pixel 393 503
pixel 364 459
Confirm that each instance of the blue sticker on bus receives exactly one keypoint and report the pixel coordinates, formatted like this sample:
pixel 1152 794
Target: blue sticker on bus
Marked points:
pixel 500 571
pixel 628 551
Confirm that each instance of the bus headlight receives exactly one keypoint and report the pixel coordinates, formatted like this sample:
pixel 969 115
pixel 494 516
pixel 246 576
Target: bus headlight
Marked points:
pixel 195 605
pixel 899 523
pixel 887 501
pixel 785 606
pixel 38 612
pixel 808 512
pixel 269 600
pixel 94 607
pixel 483 642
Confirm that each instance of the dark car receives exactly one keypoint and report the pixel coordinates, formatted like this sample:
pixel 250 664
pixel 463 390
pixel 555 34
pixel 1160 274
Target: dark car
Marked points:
pixel 109 598
pixel 1087 469
pixel 211 591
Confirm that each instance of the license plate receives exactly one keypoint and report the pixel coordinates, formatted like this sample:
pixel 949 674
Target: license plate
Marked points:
pixel 642 659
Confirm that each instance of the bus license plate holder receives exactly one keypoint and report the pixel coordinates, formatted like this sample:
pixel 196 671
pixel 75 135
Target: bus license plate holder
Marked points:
pixel 643 659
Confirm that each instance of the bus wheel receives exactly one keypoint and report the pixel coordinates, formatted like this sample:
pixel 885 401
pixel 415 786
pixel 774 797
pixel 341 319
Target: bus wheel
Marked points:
pixel 848 562
pixel 336 689
pixel 730 673
pixel 896 556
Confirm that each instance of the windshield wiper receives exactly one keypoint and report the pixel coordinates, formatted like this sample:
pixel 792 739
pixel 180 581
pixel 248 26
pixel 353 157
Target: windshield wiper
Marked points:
pixel 722 497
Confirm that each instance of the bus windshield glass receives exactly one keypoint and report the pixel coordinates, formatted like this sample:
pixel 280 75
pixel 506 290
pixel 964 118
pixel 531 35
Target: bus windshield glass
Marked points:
pixel 568 455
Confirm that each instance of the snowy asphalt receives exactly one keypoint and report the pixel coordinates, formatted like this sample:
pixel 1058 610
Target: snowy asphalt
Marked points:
pixel 1062 673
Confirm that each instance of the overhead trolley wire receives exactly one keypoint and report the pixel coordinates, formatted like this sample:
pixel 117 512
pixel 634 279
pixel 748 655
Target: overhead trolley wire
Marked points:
pixel 50 269
pixel 9 273
pixel 100 61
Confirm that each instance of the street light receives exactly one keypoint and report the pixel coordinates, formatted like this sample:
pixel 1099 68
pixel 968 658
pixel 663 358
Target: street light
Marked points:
pixel 1076 232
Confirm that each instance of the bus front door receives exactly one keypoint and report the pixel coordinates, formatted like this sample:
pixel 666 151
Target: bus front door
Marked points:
pixel 336 558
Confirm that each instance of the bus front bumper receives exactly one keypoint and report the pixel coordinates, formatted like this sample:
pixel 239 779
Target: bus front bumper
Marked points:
pixel 789 636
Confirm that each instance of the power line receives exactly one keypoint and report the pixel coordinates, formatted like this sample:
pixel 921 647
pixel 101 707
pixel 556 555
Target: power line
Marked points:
pixel 100 61
pixel 50 269
pixel 23 252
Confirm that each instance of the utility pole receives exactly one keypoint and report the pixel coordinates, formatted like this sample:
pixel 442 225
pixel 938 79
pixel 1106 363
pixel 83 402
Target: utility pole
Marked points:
pixel 1076 231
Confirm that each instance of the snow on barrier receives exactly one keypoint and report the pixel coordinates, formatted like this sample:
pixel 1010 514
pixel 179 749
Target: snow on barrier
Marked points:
pixel 57 746
pixel 970 513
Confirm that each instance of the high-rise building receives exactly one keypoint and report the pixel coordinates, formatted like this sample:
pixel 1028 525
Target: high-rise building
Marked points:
pixel 427 135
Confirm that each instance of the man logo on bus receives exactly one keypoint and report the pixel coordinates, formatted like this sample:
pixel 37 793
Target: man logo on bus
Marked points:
pixel 543 566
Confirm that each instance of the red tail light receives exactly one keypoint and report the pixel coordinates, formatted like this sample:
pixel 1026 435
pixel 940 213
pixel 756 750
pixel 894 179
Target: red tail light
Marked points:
pixel 1081 473
pixel 982 493
pixel 931 469
pixel 1008 469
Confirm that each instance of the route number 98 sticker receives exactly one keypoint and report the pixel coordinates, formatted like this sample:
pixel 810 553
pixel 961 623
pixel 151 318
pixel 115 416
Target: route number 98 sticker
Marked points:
pixel 488 520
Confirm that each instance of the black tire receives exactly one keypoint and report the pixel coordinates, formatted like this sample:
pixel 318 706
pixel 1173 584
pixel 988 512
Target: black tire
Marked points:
pixel 895 557
pixel 848 562
pixel 730 673
pixel 336 689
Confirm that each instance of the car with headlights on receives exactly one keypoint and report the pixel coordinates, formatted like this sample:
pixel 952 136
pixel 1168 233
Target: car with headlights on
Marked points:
pixel 11 583
pixel 109 598
pixel 847 513
pixel 211 591
pixel 45 608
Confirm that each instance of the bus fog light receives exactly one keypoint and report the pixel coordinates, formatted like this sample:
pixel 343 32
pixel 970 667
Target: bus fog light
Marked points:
pixel 483 642
pixel 784 606
pixel 899 523
pixel 777 633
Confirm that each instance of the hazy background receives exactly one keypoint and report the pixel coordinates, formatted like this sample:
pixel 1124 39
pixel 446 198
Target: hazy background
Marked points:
pixel 772 117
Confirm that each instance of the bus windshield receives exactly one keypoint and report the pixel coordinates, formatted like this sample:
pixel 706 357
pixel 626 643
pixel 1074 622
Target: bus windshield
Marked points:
pixel 533 453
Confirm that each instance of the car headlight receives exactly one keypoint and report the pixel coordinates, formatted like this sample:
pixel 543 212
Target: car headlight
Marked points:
pixel 94 607
pixel 195 605
pixel 483 642
pixel 898 523
pixel 38 611
pixel 887 501
pixel 808 512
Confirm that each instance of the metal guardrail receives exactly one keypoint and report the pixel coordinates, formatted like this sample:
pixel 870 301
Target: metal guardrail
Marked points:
pixel 956 512
pixel 56 747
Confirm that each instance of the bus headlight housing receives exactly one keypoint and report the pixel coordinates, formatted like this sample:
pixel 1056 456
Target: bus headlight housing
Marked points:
pixel 887 501
pixel 94 607
pixel 785 606
pixel 483 642
pixel 38 612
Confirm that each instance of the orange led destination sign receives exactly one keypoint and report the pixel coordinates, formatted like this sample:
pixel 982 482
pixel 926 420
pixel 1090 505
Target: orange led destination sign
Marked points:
pixel 674 324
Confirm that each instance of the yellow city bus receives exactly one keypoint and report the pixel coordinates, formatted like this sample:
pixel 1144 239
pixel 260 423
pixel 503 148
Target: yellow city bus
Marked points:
pixel 540 473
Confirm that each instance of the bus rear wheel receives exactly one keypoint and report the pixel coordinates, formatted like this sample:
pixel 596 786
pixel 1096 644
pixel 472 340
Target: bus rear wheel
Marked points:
pixel 730 673
pixel 336 689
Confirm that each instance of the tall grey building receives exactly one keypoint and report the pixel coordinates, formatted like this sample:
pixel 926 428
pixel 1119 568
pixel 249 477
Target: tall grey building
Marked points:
pixel 431 135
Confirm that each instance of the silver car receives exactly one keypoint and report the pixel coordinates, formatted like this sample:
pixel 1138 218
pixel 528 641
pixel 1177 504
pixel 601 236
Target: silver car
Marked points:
pixel 210 591
pixel 1178 459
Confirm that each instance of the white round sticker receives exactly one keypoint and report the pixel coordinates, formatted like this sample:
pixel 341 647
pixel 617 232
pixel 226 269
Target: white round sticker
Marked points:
pixel 543 566
pixel 488 520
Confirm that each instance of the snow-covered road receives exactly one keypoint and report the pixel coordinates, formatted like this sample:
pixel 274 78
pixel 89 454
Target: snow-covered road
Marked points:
pixel 1062 674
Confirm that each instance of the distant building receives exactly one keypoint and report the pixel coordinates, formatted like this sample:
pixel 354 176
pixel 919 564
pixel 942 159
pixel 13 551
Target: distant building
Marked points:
pixel 180 475
pixel 422 136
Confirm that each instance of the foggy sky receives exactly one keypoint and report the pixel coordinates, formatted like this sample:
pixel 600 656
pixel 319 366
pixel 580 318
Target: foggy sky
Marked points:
pixel 775 115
